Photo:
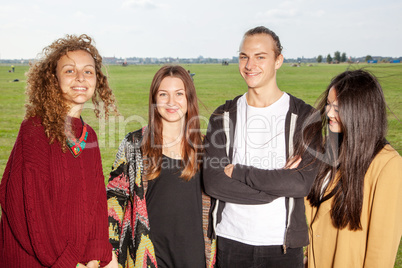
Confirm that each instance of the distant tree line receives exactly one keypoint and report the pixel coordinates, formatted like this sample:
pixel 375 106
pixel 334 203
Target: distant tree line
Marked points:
pixel 338 57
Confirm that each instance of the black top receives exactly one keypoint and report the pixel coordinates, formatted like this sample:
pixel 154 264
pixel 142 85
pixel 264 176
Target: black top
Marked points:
pixel 175 216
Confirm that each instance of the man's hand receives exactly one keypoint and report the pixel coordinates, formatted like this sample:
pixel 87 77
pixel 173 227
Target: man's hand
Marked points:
pixel 294 162
pixel 229 170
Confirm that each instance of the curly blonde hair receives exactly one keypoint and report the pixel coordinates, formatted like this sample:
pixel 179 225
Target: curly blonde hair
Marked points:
pixel 45 98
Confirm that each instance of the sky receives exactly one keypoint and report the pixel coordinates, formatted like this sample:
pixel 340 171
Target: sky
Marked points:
pixel 208 28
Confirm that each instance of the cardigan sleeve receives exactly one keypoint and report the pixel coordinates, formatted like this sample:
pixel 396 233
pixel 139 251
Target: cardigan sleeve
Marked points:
pixel 385 227
pixel 98 247
pixel 48 243
pixel 118 194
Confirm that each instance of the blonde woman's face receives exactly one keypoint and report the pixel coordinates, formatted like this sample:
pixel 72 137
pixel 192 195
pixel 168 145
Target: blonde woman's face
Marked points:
pixel 76 74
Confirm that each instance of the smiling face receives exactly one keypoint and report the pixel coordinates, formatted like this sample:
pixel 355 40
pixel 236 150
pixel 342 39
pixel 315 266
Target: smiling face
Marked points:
pixel 76 74
pixel 334 121
pixel 171 100
pixel 257 61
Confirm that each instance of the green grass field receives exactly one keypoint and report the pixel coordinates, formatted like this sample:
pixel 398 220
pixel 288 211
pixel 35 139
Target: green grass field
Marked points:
pixel 214 84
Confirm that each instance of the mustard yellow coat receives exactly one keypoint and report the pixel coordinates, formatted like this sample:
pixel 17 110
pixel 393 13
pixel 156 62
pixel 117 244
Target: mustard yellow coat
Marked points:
pixel 376 245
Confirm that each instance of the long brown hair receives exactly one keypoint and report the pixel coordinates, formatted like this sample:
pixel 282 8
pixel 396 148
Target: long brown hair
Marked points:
pixel 153 139
pixel 362 113
pixel 44 93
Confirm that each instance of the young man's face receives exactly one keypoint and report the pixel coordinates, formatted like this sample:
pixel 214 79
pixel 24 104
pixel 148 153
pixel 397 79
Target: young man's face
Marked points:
pixel 257 61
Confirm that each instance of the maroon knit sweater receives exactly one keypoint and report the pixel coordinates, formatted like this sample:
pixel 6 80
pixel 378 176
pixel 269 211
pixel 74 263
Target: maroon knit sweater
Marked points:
pixel 54 210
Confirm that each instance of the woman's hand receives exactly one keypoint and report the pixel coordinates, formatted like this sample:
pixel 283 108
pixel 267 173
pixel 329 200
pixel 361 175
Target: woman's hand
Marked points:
pixel 91 264
pixel 95 264
pixel 113 263
pixel 229 170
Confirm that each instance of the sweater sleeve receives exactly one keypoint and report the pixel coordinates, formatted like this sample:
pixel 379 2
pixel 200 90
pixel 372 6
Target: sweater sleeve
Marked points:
pixel 385 227
pixel 98 247
pixel 216 183
pixel 48 243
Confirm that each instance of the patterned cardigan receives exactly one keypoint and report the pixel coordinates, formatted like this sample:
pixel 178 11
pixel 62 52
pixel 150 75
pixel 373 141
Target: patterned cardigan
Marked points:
pixel 128 217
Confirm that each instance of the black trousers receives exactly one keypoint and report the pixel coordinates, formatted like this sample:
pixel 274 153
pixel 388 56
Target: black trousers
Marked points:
pixel 233 254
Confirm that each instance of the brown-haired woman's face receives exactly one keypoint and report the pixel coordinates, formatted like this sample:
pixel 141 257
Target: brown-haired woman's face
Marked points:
pixel 171 99
pixel 334 121
pixel 76 74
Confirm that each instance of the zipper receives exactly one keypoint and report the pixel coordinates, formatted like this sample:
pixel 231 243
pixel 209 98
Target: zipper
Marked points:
pixel 292 127
pixel 291 209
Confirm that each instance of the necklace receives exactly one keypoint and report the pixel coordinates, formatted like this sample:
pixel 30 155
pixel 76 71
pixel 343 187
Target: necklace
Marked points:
pixel 75 145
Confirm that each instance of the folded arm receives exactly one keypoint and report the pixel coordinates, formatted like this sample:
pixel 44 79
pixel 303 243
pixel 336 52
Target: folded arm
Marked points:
pixel 217 183
pixel 295 182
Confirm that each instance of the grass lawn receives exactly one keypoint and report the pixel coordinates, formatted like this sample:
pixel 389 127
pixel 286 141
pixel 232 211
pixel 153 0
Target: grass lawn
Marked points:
pixel 214 84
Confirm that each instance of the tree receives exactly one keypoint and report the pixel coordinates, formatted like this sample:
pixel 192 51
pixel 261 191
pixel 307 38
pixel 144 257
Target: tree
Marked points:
pixel 368 57
pixel 329 58
pixel 337 56
pixel 319 59
pixel 343 57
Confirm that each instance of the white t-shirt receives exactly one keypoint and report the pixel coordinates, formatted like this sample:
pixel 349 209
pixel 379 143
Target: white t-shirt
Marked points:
pixel 259 141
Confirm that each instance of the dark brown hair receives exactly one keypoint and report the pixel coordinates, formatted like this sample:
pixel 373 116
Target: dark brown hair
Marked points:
pixel 362 113
pixel 153 139
pixel 44 93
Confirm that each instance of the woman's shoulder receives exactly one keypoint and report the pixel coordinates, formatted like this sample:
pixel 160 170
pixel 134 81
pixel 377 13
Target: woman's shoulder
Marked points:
pixel 132 139
pixel 33 139
pixel 388 153
pixel 32 127
pixel 387 162
pixel 135 135
pixel 32 122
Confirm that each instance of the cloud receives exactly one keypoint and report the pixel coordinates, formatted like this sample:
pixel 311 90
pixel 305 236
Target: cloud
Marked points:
pixel 317 13
pixel 16 17
pixel 82 15
pixel 146 4
pixel 280 13
pixel 278 17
